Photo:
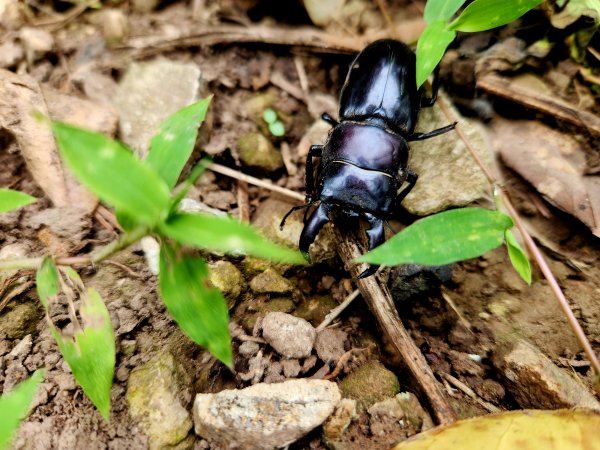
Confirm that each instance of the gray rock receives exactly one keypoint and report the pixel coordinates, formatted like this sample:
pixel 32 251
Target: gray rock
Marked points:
pixel 267 218
pixel 536 382
pixel 257 152
pixel 20 320
pixel 394 414
pixel 270 282
pixel 37 42
pixel 10 54
pixel 22 349
pixel 153 393
pixel 330 344
pixel 290 336
pixel 448 175
pixel 264 416
pixel 228 279
pixel 339 421
pixel 147 94
pixel 249 348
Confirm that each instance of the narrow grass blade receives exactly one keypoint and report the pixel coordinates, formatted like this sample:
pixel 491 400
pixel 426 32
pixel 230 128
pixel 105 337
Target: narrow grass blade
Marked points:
pixel 91 354
pixel 443 238
pixel 14 406
pixel 47 282
pixel 199 309
pixel 173 144
pixel 518 257
pixel 431 47
pixel 10 199
pixel 224 234
pixel 113 173
pixel 484 15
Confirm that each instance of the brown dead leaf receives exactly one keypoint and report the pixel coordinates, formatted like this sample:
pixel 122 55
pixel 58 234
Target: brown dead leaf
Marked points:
pixel 20 97
pixel 554 164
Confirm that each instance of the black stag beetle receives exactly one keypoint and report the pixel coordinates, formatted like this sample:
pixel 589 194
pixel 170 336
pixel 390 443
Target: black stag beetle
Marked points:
pixel 364 160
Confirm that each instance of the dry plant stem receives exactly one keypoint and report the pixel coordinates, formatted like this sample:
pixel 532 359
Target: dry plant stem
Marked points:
pixel 385 12
pixel 468 391
pixel 337 310
pixel 382 306
pixel 546 104
pixel 33 263
pixel 255 181
pixel 531 247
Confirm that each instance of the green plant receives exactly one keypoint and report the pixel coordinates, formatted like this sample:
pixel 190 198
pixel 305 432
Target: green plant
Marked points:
pixel 146 198
pixel 14 406
pixel 276 126
pixel 480 15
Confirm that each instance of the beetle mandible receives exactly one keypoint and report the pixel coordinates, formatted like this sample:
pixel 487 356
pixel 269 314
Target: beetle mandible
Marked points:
pixel 365 157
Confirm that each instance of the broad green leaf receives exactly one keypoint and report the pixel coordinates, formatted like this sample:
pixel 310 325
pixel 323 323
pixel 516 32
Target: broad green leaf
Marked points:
pixel 441 9
pixel 443 238
pixel 562 429
pixel 91 354
pixel 173 144
pixel 14 406
pixel 224 234
pixel 431 47
pixel 47 282
pixel 487 14
pixel 199 309
pixel 113 173
pixel 518 257
pixel 10 199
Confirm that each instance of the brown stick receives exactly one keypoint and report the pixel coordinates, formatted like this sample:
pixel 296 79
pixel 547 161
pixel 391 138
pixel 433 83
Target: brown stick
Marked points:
pixel 380 302
pixel 545 104
pixel 533 250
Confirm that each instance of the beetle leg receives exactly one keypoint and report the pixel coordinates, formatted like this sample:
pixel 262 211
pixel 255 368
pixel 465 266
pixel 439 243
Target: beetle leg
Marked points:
pixel 316 221
pixel 376 236
pixel 430 134
pixel 411 179
pixel 427 102
pixel 315 151
pixel 330 120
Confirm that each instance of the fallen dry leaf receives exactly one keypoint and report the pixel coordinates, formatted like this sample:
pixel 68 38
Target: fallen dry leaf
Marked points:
pixel 20 97
pixel 523 430
pixel 554 164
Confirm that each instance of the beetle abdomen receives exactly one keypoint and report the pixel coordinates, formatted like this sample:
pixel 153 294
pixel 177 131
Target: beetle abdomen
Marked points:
pixel 381 86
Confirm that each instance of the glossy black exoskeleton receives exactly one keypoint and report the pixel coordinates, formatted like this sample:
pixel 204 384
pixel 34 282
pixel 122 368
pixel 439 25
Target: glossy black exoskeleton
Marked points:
pixel 364 160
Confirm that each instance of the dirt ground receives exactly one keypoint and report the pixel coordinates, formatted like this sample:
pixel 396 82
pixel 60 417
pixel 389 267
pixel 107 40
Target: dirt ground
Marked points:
pixel 464 325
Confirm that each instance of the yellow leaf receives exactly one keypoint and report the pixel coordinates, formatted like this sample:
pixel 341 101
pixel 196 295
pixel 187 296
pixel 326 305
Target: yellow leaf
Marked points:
pixel 563 429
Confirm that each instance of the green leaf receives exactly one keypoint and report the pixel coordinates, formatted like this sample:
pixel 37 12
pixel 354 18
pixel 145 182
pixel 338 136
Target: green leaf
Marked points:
pixel 487 14
pixel 431 47
pixel 199 309
pixel 14 406
pixel 269 115
pixel 91 355
pixel 10 199
pixel 277 128
pixel 441 9
pixel 173 144
pixel 113 173
pixel 443 238
pixel 518 257
pixel 183 189
pixel 127 221
pixel 47 282
pixel 224 234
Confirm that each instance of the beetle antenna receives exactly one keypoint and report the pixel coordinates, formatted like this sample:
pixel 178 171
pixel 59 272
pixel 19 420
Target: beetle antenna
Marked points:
pixel 294 209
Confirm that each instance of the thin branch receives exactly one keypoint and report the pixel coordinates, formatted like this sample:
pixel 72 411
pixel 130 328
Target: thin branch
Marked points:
pixel 530 245
pixel 255 181
pixel 338 310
